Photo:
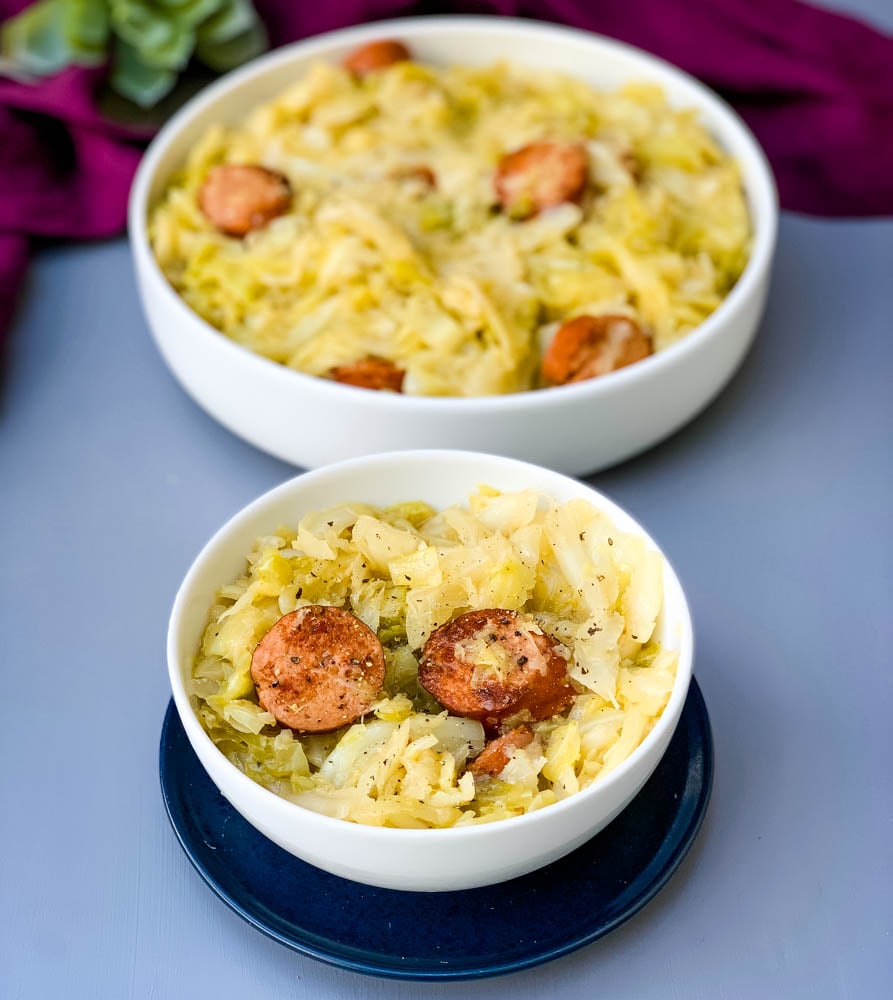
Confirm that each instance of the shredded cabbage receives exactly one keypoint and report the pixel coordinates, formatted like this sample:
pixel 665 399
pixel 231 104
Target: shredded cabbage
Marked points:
pixel 405 570
pixel 432 279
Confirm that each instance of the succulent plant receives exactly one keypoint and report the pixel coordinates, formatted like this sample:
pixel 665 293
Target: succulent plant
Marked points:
pixel 148 42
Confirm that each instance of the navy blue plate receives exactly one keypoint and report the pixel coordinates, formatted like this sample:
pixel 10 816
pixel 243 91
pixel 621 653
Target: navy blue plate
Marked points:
pixel 448 935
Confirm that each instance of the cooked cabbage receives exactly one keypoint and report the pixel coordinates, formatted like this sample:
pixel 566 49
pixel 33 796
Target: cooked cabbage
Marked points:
pixel 405 570
pixel 432 279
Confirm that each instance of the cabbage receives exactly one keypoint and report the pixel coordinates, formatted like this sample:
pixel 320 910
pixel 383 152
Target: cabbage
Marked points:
pixel 458 296
pixel 381 543
pixel 405 570
pixel 524 767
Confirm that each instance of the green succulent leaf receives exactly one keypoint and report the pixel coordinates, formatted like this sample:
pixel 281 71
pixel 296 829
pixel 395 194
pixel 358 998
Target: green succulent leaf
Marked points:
pixel 152 40
pixel 34 41
pixel 224 56
pixel 190 13
pixel 136 80
pixel 137 23
pixel 161 42
pixel 232 18
pixel 86 27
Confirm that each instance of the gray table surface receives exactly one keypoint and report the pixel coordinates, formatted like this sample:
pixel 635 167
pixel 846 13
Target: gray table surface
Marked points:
pixel 774 507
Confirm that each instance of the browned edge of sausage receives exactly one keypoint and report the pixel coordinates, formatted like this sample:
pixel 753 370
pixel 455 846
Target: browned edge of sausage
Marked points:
pixel 496 754
pixel 375 56
pixel 318 668
pixel 534 686
pixel 238 198
pixel 421 173
pixel 540 176
pixel 370 373
pixel 587 346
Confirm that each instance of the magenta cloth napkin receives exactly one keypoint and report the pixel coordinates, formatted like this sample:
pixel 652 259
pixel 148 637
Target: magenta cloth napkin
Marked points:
pixel 816 87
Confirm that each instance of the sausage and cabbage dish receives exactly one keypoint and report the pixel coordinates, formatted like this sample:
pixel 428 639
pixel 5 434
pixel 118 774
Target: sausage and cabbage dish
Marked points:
pixel 414 668
pixel 454 231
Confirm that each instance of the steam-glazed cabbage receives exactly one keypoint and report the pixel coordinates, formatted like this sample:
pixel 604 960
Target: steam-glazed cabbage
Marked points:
pixel 395 246
pixel 405 571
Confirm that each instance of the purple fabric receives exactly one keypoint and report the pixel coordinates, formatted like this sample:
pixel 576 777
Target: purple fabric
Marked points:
pixel 64 171
pixel 816 88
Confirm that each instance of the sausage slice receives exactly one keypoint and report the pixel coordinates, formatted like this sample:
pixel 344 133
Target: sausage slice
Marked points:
pixel 587 346
pixel 370 373
pixel 540 176
pixel 420 174
pixel 375 56
pixel 495 755
pixel 494 664
pixel 318 668
pixel 238 198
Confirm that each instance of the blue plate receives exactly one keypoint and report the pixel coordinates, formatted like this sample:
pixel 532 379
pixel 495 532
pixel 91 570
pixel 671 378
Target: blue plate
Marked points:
pixel 450 935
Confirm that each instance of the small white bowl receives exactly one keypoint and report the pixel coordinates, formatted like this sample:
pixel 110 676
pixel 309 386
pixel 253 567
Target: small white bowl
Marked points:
pixel 415 860
pixel 577 428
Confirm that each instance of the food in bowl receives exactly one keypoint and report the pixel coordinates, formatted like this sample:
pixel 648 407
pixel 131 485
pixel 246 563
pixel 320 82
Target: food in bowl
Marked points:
pixel 454 231
pixel 408 667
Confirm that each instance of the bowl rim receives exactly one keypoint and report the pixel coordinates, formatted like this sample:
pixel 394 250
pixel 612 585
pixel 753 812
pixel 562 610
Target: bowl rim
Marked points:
pixel 756 175
pixel 285 807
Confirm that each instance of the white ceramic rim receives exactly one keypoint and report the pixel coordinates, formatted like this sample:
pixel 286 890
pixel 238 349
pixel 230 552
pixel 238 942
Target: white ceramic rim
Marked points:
pixel 757 176
pixel 194 728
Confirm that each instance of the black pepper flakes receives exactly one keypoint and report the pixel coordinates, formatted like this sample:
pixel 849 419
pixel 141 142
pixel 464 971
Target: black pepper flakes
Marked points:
pixel 295 659
pixel 522 660
pixel 610 541
pixel 298 594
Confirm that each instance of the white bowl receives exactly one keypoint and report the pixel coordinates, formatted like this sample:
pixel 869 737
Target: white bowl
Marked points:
pixel 577 428
pixel 419 860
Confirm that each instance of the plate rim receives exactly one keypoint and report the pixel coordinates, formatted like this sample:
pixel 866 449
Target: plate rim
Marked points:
pixel 389 971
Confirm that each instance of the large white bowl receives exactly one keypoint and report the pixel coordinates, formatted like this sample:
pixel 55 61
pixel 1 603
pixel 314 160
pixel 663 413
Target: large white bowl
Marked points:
pixel 421 860
pixel 576 429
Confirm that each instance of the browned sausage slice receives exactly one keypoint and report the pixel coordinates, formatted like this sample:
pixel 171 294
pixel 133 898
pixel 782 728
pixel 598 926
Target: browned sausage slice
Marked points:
pixel 374 56
pixel 318 668
pixel 540 176
pixel 370 373
pixel 495 755
pixel 238 197
pixel 587 346
pixel 421 174
pixel 491 665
